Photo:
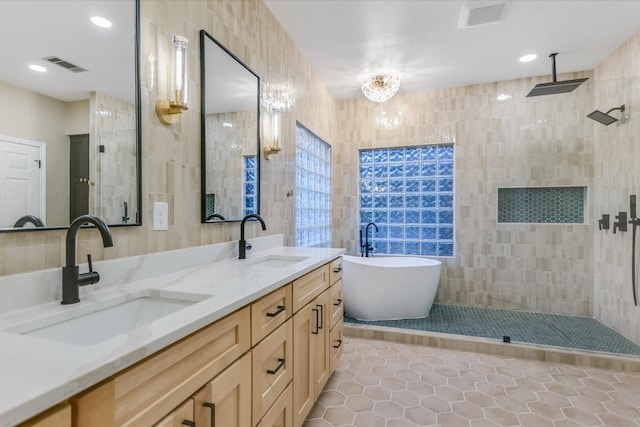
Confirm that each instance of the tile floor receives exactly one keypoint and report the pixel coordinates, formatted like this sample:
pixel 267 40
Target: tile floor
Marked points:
pixel 388 384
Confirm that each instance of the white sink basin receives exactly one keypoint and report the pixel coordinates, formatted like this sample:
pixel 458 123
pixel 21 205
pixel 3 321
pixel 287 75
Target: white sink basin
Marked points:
pixel 278 261
pixel 117 317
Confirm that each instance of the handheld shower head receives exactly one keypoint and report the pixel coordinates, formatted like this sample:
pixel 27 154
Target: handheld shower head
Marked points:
pixel 605 118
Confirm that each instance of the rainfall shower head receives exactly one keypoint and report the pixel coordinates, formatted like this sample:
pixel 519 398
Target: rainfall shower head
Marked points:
pixel 605 118
pixel 555 86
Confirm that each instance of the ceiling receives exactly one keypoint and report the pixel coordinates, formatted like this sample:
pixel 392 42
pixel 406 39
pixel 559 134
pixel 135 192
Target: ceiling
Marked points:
pixel 346 40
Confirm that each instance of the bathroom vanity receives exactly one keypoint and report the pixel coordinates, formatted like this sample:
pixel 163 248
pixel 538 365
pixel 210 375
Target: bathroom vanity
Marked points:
pixel 253 345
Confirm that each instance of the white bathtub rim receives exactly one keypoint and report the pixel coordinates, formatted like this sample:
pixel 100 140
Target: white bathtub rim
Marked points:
pixel 393 261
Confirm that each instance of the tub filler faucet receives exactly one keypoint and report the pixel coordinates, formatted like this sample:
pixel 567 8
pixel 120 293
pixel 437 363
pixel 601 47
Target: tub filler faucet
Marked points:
pixel 366 248
pixel 72 279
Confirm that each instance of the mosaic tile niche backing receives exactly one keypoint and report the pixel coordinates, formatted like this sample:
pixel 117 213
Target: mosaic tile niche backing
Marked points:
pixel 542 205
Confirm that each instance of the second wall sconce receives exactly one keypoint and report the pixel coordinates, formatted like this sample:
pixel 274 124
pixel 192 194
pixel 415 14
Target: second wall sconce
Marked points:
pixel 274 148
pixel 169 110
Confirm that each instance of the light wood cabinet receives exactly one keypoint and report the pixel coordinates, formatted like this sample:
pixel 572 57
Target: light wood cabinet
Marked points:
pixel 59 416
pixel 269 312
pixel 310 355
pixel 142 394
pixel 336 338
pixel 280 414
pixel 337 306
pixel 272 369
pixel 179 417
pixel 227 398
pixel 263 365
pixel 309 286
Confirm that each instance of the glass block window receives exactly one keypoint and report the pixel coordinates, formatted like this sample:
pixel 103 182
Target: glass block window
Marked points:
pixel 542 205
pixel 408 193
pixel 313 190
pixel 250 195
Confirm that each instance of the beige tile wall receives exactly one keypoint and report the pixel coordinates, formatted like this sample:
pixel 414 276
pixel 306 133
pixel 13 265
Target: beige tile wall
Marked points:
pixel 617 175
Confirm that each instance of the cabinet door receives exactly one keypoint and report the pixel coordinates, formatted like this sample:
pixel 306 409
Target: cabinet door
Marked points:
pixel 321 355
pixel 60 416
pixel 304 328
pixel 179 417
pixel 226 400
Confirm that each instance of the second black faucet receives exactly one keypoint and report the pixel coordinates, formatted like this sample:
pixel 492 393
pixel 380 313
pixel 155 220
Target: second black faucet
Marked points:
pixel 242 244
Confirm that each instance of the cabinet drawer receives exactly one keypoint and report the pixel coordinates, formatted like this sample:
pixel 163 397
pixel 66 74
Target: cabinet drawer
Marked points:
pixel 336 308
pixel 280 414
pixel 269 312
pixel 335 273
pixel 272 368
pixel 142 394
pixel 335 342
pixel 309 286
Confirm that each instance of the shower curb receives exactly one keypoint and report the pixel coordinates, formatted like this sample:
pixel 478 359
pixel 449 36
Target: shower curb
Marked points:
pixel 494 347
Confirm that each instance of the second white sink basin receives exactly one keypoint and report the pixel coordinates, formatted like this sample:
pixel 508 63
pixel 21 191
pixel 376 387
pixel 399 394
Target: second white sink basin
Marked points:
pixel 278 261
pixel 114 319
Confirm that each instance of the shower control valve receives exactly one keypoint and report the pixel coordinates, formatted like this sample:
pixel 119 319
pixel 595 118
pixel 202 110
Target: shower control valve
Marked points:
pixel 621 223
pixel 603 224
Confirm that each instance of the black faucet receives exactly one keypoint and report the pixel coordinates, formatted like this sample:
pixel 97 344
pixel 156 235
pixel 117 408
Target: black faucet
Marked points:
pixel 29 219
pixel 368 248
pixel 72 279
pixel 242 244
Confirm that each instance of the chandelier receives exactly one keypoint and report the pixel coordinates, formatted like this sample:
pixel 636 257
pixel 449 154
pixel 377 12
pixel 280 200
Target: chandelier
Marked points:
pixel 380 87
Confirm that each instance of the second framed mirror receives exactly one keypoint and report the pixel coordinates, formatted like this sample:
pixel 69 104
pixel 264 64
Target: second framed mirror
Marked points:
pixel 230 134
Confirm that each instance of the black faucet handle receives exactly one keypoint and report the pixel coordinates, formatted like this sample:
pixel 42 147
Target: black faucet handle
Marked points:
pixel 89 262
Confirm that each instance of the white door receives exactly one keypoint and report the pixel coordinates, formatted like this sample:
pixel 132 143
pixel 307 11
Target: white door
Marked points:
pixel 21 180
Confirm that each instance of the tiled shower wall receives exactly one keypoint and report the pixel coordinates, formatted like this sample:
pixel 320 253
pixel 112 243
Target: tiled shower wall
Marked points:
pixel 616 176
pixel 502 139
pixel 171 154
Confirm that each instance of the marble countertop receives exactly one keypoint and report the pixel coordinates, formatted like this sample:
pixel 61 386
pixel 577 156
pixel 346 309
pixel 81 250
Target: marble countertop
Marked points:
pixel 37 373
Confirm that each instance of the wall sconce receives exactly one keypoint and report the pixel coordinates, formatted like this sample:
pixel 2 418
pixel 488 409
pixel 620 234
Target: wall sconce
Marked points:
pixel 274 148
pixel 169 110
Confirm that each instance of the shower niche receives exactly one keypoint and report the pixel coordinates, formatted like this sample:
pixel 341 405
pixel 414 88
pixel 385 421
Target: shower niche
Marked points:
pixel 550 205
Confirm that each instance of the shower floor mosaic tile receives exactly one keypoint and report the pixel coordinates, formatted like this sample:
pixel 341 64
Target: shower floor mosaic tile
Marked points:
pixel 581 333
pixel 387 384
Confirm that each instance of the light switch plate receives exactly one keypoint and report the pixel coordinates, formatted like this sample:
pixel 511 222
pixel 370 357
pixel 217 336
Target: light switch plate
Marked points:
pixel 160 216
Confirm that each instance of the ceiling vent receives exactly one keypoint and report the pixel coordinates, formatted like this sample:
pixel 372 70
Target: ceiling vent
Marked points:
pixel 64 64
pixel 481 12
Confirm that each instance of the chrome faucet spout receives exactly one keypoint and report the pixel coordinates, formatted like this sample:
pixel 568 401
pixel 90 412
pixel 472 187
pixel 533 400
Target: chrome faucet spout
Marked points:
pixel 242 244
pixel 72 279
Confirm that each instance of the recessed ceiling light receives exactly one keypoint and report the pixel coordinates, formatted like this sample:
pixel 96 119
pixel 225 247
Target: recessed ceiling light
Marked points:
pixel 38 68
pixel 528 58
pixel 101 22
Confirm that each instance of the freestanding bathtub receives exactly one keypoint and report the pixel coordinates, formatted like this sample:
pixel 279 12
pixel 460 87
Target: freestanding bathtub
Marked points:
pixel 389 288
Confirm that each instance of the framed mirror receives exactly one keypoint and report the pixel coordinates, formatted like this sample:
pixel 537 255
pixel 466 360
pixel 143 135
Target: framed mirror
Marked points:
pixel 70 120
pixel 230 134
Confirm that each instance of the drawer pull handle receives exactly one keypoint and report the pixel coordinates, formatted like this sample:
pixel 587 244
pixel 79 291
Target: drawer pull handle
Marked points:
pixel 317 321
pixel 338 302
pixel 338 269
pixel 211 406
pixel 278 311
pixel 188 423
pixel 320 308
pixel 339 344
pixel 275 371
